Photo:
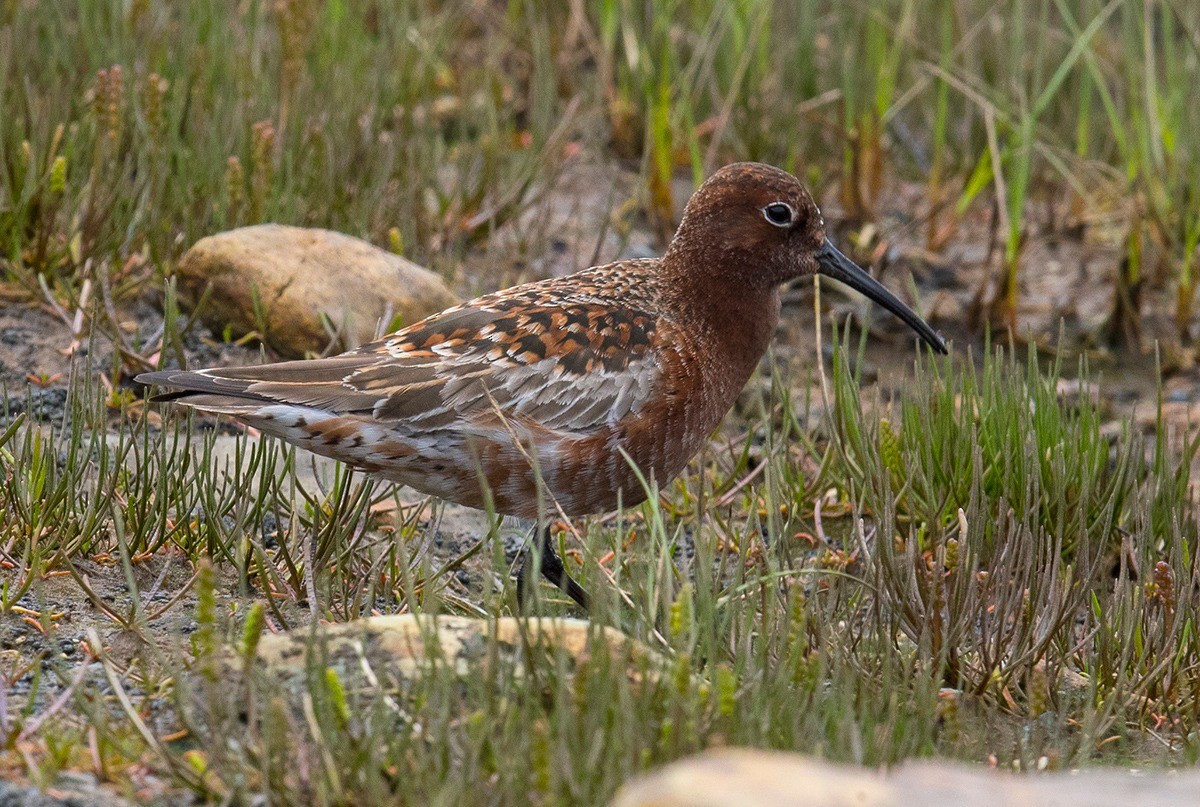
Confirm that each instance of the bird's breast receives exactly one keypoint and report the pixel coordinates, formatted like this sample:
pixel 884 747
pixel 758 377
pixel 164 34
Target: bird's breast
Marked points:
pixel 616 465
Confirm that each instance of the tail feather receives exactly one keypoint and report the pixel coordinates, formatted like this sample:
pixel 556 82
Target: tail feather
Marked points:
pixel 192 383
pixel 208 392
pixel 244 409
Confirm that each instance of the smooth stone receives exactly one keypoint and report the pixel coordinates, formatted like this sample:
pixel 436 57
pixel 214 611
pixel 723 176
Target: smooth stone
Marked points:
pixel 402 647
pixel 738 777
pixel 299 276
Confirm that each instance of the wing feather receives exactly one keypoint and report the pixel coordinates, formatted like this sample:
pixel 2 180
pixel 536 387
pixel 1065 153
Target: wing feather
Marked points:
pixel 569 367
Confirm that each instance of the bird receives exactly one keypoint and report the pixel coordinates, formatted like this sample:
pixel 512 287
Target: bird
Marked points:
pixel 570 392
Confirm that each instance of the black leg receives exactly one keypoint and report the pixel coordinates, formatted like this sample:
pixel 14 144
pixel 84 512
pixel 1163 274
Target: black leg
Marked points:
pixel 525 574
pixel 552 569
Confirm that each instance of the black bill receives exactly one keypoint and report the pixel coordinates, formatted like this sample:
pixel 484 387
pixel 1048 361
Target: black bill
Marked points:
pixel 836 265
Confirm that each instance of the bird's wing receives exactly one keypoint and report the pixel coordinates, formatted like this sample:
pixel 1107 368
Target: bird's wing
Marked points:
pixel 567 366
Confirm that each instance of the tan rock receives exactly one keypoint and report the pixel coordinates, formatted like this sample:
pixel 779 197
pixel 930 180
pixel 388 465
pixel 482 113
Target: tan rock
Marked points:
pixel 402 647
pixel 750 778
pixel 300 274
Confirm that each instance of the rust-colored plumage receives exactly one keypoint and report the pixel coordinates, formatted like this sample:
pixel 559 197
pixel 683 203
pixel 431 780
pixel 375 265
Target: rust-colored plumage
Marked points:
pixel 574 380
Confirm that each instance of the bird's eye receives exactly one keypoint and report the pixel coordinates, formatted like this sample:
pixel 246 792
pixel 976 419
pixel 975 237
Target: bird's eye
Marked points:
pixel 780 214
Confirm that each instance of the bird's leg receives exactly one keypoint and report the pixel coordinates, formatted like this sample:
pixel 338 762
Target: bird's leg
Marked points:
pixel 525 579
pixel 552 569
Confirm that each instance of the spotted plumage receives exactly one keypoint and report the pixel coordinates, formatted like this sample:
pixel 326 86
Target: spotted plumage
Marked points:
pixel 581 382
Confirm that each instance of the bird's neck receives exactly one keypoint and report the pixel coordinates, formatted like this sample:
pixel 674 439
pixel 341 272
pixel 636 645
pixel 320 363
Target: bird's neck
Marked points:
pixel 737 319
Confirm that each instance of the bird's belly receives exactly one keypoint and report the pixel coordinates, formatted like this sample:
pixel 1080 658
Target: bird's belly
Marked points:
pixel 578 475
pixel 623 465
pixel 500 465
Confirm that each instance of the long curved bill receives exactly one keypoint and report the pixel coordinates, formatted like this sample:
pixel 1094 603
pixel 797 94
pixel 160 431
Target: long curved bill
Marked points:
pixel 836 265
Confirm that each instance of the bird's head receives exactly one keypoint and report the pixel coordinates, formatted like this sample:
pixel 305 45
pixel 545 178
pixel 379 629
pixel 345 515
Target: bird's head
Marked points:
pixel 758 226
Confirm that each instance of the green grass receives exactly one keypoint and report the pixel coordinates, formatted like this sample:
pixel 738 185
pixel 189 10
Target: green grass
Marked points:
pixel 981 572
pixel 977 568
pixel 132 130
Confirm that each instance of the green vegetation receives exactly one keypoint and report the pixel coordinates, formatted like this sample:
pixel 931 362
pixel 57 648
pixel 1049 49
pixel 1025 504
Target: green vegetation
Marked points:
pixel 979 568
pixel 133 129
pixel 979 573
